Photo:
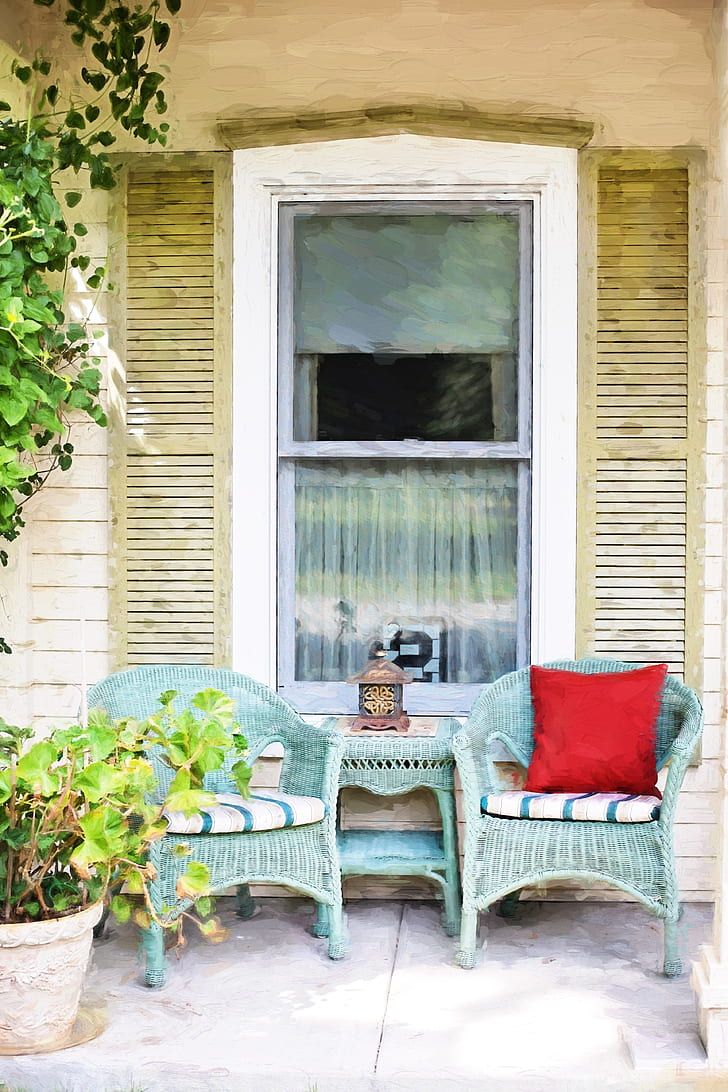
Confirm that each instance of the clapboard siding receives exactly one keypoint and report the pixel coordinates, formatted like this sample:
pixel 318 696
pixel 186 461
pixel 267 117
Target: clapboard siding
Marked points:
pixel 639 380
pixel 171 510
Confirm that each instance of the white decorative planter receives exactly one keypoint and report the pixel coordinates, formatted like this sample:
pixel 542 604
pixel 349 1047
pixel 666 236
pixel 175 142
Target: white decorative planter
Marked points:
pixel 42 968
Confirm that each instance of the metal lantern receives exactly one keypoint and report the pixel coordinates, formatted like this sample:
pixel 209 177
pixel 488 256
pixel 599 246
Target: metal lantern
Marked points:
pixel 380 694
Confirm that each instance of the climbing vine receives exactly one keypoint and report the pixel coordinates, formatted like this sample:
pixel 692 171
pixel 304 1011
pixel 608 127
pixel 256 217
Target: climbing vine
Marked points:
pixel 48 369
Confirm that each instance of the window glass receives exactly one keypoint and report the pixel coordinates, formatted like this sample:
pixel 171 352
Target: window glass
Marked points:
pixel 402 324
pixel 420 555
pixel 406 327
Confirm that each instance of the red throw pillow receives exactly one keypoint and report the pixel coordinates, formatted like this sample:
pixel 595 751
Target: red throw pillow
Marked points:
pixel 595 733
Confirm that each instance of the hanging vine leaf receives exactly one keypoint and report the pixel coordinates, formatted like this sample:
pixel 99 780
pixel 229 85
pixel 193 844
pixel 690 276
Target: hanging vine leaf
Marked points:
pixel 46 370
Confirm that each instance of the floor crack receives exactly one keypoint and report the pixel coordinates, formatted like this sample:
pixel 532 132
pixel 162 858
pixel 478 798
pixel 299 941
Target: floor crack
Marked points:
pixel 389 987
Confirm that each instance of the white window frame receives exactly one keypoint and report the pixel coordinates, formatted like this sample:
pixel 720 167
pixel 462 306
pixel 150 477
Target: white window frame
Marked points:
pixel 402 168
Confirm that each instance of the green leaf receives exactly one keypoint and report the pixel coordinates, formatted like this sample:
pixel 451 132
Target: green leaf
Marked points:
pixel 160 33
pixel 48 207
pixel 134 883
pixel 80 229
pixel 97 80
pixel 5 789
pixel 121 908
pixel 98 781
pixel 173 6
pixel 80 399
pixel 35 768
pixel 75 331
pixel 91 112
pixel 23 73
pixel 72 198
pixel 4 106
pixel 90 379
pixel 242 773
pixel 203 906
pixel 188 801
pixel 13 408
pixel 104 831
pixel 216 703
pixel 75 120
pixel 100 51
pixel 194 882
pixel 33 181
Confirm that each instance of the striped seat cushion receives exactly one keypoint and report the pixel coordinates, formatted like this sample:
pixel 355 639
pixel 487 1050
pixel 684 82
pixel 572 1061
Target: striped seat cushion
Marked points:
pixel 262 811
pixel 599 807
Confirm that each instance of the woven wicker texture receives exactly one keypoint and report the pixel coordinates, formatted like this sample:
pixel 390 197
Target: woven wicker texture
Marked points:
pixel 303 858
pixel 388 764
pixel 503 856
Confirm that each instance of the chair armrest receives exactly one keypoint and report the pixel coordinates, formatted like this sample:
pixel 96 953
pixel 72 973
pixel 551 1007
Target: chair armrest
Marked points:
pixel 311 759
pixel 476 767
pixel 678 759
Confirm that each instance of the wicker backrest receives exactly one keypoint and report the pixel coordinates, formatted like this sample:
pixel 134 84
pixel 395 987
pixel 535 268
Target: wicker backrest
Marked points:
pixel 506 706
pixel 263 716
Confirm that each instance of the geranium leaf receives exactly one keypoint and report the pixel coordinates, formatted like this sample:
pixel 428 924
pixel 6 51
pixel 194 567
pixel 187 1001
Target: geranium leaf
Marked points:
pixel 195 881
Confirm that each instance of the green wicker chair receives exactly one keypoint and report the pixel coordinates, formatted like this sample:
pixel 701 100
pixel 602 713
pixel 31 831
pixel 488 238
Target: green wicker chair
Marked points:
pixel 304 858
pixel 502 856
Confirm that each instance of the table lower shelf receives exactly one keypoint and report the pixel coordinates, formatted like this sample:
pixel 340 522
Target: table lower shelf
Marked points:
pixel 393 852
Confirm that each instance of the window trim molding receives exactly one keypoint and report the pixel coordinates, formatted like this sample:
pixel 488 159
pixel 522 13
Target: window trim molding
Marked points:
pixel 255 130
pixel 402 168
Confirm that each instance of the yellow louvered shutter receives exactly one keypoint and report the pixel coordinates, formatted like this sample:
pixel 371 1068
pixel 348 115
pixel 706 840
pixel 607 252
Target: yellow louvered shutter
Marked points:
pixel 170 399
pixel 640 374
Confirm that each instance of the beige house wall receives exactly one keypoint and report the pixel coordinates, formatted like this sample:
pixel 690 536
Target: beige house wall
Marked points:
pixel 639 69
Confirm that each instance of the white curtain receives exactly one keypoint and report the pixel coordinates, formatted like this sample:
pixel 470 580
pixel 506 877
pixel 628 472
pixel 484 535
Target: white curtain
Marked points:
pixel 384 542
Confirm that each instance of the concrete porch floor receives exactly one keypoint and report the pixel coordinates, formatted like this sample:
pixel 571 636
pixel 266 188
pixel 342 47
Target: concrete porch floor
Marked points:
pixel 569 997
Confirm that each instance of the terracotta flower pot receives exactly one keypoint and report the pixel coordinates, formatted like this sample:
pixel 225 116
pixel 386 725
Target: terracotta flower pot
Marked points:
pixel 42 968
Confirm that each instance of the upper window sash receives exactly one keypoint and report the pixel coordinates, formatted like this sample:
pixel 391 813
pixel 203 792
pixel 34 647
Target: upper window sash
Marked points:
pixel 288 447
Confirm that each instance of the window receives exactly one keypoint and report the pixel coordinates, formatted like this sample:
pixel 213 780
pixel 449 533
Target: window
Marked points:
pixel 404 445
pixel 409 178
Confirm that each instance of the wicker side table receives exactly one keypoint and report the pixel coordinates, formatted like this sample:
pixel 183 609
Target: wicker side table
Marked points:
pixel 392 766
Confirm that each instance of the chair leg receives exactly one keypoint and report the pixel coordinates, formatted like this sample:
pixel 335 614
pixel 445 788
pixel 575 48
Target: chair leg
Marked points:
pixel 320 927
pixel 338 942
pixel 465 956
pixel 672 967
pixel 153 945
pixel 451 913
pixel 244 902
pixel 451 887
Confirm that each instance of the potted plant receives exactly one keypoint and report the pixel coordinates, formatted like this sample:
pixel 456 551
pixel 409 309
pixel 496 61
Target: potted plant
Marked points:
pixel 78 813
